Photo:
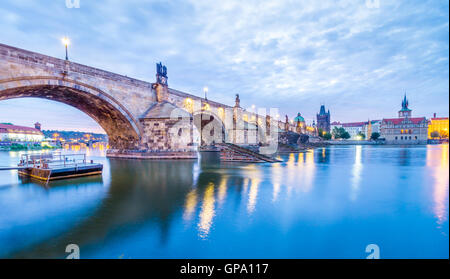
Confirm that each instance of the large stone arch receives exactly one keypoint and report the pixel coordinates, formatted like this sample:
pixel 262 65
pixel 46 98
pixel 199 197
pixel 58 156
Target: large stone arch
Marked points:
pixel 124 131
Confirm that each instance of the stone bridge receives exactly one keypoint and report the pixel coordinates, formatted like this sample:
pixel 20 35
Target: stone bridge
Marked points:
pixel 141 119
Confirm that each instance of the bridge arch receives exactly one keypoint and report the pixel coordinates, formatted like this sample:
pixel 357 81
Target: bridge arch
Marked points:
pixel 124 131
pixel 210 126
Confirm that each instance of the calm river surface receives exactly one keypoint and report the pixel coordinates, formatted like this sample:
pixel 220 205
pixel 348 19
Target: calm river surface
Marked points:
pixel 326 203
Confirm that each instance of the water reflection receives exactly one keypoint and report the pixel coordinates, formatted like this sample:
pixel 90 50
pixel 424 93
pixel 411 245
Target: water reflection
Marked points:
pixel 222 190
pixel 252 195
pixel 356 173
pixel 190 205
pixel 308 172
pixel 297 207
pixel 207 213
pixel 438 165
pixel 139 191
pixel 404 156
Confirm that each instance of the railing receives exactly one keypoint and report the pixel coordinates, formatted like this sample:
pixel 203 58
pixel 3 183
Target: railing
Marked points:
pixel 53 160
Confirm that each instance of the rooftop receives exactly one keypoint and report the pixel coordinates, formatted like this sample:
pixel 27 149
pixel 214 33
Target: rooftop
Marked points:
pixel 354 124
pixel 395 121
pixel 5 128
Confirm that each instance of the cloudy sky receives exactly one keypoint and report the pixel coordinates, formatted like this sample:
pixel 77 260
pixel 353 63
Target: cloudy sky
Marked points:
pixel 357 57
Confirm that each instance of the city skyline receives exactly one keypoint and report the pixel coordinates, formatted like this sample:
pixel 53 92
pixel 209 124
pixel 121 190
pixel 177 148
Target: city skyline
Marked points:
pixel 295 63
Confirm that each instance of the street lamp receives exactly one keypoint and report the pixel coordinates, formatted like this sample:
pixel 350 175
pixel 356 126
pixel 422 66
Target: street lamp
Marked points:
pixel 205 90
pixel 65 41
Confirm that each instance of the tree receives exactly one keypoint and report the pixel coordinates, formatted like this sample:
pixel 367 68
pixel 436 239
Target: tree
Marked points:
pixel 345 135
pixel 326 136
pixel 375 136
pixel 340 133
pixel 361 135
pixel 444 134
pixel 320 132
pixel 435 134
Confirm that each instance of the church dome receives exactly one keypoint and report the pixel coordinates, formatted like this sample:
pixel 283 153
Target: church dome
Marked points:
pixel 299 118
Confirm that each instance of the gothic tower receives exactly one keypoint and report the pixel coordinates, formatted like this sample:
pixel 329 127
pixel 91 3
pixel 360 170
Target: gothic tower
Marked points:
pixel 323 119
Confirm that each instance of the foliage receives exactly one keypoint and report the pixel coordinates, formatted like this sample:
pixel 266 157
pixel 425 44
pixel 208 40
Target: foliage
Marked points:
pixel 326 136
pixel 375 136
pixel 340 133
pixel 361 135
pixel 320 131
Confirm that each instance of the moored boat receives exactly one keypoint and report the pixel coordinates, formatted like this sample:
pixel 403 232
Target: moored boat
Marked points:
pixel 51 166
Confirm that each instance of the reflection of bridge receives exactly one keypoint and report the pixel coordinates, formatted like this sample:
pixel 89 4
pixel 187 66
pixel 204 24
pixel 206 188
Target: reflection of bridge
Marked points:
pixel 146 120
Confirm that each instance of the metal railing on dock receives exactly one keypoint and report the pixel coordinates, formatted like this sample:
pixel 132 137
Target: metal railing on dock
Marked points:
pixel 52 160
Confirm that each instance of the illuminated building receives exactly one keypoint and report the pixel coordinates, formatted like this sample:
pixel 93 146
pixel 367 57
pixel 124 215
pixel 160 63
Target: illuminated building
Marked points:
pixel 20 133
pixel 299 122
pixel 438 124
pixel 354 129
pixel 404 129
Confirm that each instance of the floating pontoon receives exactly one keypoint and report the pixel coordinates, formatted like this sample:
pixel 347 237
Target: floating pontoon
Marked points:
pixel 51 166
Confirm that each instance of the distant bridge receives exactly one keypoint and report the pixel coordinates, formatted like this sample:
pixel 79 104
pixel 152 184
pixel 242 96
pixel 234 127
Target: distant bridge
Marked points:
pixel 141 119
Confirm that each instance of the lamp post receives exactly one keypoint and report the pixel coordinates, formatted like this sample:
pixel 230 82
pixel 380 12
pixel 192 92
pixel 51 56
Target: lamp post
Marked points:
pixel 66 43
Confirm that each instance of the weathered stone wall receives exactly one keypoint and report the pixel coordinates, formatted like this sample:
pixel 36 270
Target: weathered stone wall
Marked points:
pixel 169 135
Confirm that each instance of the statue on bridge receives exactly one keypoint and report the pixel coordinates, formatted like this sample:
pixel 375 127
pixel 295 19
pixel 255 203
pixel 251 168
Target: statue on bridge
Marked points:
pixel 237 101
pixel 161 73
pixel 161 69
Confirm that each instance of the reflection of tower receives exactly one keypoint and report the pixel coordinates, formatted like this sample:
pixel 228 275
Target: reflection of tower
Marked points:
pixel 323 119
pixel 405 111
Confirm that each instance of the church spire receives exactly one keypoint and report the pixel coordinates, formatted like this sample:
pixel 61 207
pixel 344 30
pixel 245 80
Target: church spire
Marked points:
pixel 405 111
pixel 405 102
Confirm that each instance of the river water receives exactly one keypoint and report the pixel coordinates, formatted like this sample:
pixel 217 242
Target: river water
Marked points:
pixel 326 203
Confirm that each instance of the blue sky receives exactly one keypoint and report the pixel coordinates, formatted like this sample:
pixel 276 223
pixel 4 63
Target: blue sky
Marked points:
pixel 356 57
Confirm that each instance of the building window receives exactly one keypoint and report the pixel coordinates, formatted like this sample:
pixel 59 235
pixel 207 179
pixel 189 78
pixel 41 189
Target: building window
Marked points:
pixel 401 137
pixel 396 138
pixel 416 137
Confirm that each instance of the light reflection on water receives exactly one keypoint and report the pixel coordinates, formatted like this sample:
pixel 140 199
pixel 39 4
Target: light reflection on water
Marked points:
pixel 438 163
pixel 325 203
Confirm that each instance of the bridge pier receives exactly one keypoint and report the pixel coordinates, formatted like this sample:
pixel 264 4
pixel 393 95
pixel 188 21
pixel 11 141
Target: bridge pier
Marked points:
pixel 168 133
